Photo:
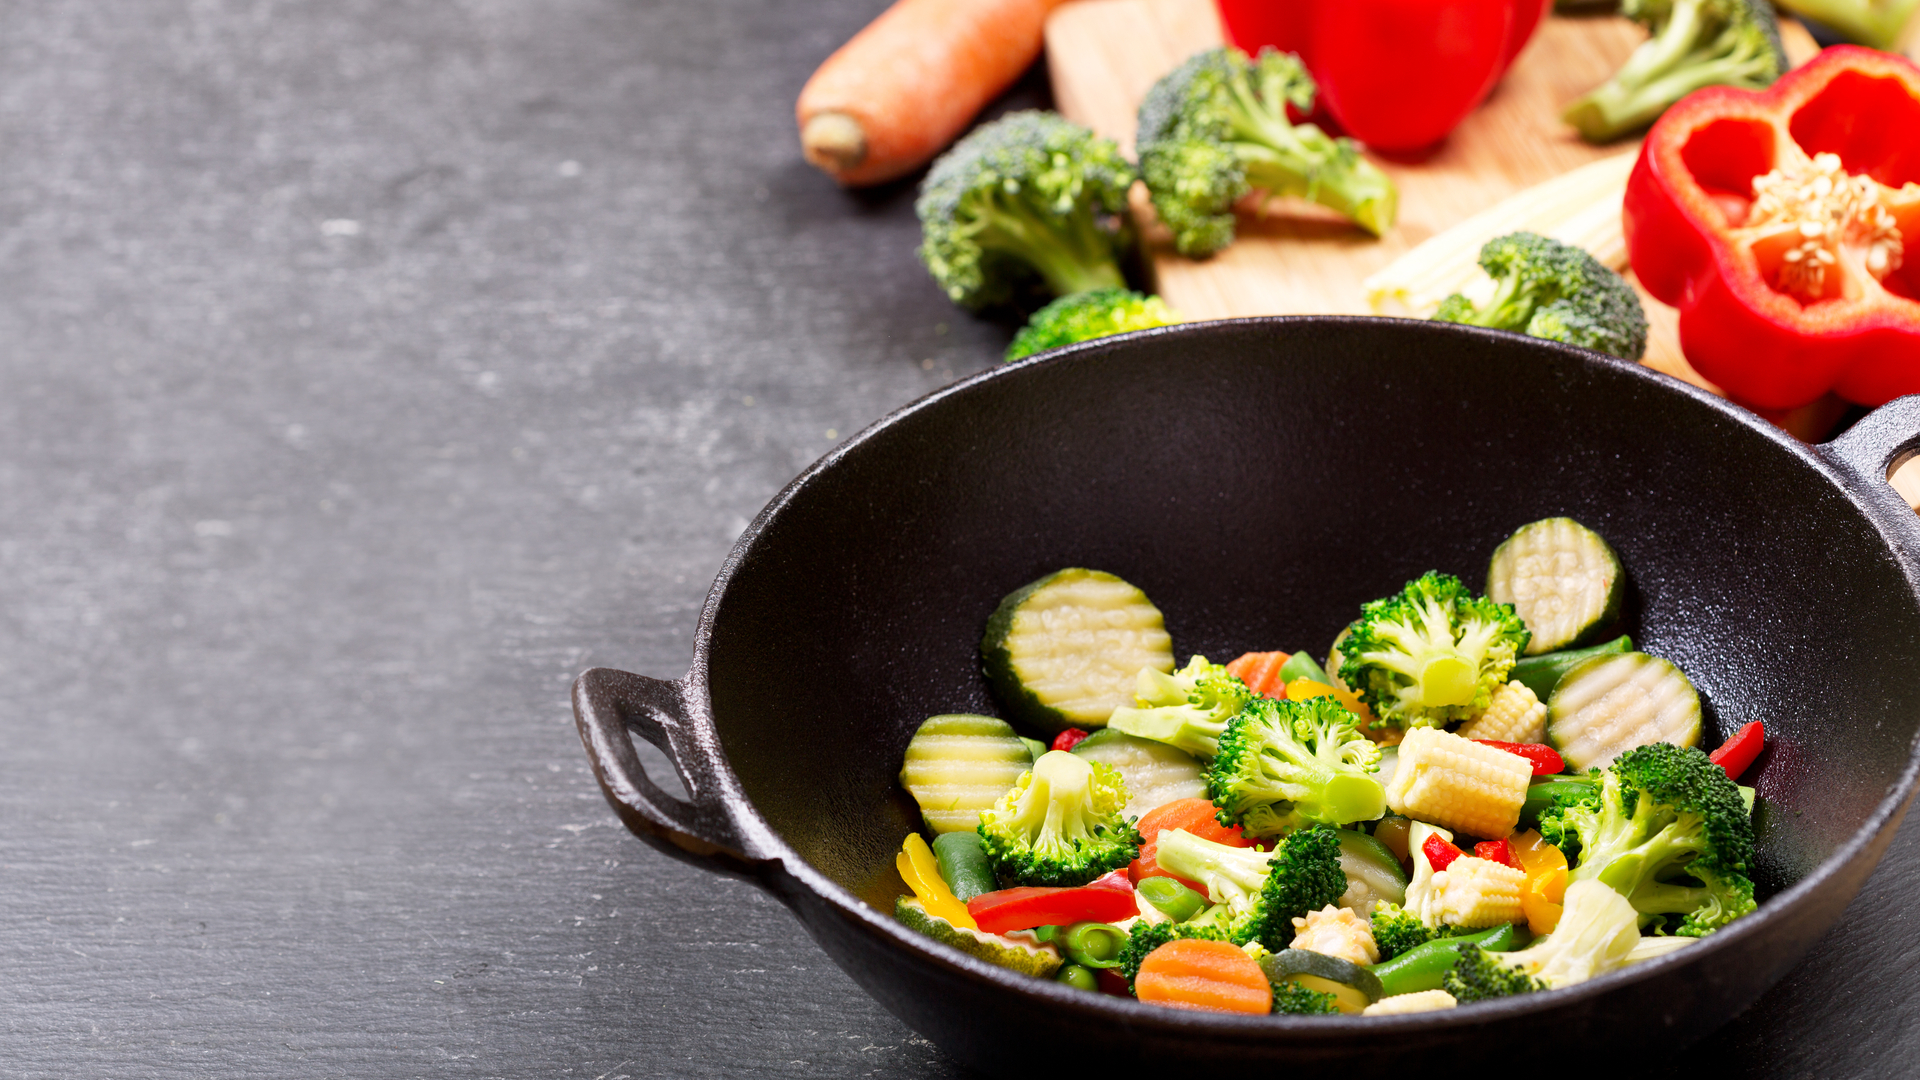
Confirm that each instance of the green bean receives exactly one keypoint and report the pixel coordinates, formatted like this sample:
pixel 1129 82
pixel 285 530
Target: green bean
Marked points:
pixel 1174 900
pixel 1541 673
pixel 1423 966
pixel 963 863
pixel 1542 794
pixel 1044 934
pixel 1094 944
pixel 1077 977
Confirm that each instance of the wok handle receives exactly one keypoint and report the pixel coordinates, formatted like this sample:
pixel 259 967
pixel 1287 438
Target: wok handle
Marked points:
pixel 1868 450
pixel 610 707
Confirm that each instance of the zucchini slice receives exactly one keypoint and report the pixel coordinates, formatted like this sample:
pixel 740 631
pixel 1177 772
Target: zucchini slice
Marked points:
pixel 1353 986
pixel 1027 958
pixel 1156 774
pixel 1064 651
pixel 1564 580
pixel 958 764
pixel 1373 873
pixel 1608 705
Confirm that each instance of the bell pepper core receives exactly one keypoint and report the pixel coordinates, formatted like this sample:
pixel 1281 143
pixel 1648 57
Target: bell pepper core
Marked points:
pixel 1776 221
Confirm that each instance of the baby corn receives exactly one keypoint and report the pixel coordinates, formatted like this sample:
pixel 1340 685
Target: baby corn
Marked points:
pixel 1460 784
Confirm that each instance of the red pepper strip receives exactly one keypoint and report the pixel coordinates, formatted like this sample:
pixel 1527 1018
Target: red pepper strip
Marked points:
pixel 1108 899
pixel 1068 739
pixel 1737 754
pixel 1492 850
pixel 1767 329
pixel 1112 982
pixel 1546 760
pixel 1439 853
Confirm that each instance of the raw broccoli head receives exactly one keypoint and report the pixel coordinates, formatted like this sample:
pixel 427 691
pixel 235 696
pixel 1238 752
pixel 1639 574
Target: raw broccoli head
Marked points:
pixel 1554 826
pixel 1146 937
pixel 1291 997
pixel 1283 765
pixel 1216 127
pixel 1670 832
pixel 1695 43
pixel 1060 824
pixel 1187 709
pixel 1478 976
pixel 1395 930
pixel 1431 653
pixel 1083 316
pixel 1547 289
pixel 1030 198
pixel 1262 892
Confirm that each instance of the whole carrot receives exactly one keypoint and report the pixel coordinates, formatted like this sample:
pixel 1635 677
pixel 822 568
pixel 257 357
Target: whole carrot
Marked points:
pixel 911 81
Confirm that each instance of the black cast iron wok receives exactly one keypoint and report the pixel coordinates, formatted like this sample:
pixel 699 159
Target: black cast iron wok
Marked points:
pixel 1259 479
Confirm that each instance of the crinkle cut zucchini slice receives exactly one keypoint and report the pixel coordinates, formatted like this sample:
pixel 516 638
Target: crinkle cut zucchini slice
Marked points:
pixel 1064 651
pixel 1563 579
pixel 1611 704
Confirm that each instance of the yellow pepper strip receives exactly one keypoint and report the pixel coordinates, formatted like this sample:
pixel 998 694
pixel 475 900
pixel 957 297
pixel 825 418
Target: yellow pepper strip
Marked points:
pixel 921 871
pixel 1546 887
pixel 1303 688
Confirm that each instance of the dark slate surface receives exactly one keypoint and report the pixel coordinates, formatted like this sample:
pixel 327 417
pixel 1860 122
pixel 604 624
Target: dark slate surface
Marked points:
pixel 370 368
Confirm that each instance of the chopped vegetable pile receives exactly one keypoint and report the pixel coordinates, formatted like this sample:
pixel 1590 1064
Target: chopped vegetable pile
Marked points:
pixel 1476 797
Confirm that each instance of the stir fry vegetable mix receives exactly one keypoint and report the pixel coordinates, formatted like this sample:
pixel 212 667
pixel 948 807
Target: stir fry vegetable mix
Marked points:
pixel 1439 815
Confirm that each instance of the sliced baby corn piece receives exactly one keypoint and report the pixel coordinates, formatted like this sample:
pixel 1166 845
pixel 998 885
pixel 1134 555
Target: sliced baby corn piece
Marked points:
pixel 1336 931
pixel 1423 1001
pixel 1581 208
pixel 1515 715
pixel 1460 784
pixel 1474 893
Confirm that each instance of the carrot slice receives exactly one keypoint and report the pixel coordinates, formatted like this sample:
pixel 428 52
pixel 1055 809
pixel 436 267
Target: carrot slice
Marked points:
pixel 1261 672
pixel 1195 816
pixel 906 85
pixel 1192 973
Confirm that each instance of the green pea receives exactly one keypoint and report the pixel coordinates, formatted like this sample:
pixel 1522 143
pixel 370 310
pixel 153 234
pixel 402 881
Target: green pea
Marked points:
pixel 1423 966
pixel 1044 934
pixel 1173 899
pixel 1077 977
pixel 1094 944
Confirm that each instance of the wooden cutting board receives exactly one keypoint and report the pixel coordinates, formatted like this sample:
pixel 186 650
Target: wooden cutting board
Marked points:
pixel 1297 258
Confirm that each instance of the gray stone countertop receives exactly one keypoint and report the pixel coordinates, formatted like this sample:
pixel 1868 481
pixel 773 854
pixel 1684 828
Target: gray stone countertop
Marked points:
pixel 370 369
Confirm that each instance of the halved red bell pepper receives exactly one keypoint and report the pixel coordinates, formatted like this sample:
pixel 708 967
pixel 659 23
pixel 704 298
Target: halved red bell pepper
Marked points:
pixel 1784 225
pixel 1106 899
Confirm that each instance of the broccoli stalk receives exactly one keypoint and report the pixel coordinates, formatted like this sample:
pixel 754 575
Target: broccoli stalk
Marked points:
pixel 1547 289
pixel 1695 43
pixel 1873 23
pixel 1262 892
pixel 1216 127
pixel 1059 824
pixel 1283 765
pixel 1084 316
pixel 1028 199
pixel 1431 653
pixel 1187 709
pixel 1668 831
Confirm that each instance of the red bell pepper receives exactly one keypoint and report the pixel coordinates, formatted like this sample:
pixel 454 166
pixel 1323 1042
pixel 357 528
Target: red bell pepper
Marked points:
pixel 1069 739
pixel 1107 899
pixel 1774 220
pixel 1495 851
pixel 1736 754
pixel 1439 853
pixel 1545 759
pixel 1395 74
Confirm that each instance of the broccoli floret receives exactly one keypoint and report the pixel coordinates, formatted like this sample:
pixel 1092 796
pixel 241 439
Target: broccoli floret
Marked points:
pixel 1283 765
pixel 1668 831
pixel 1431 653
pixel 1547 289
pixel 1262 893
pixel 1060 824
pixel 1695 43
pixel 1395 930
pixel 1030 198
pixel 1084 316
pixel 1553 824
pixel 1216 127
pixel 1873 23
pixel 1187 709
pixel 1146 937
pixel 1291 997
pixel 1478 976
pixel 1596 931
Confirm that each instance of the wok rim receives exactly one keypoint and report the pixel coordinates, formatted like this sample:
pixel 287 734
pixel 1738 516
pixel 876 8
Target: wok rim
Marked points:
pixel 778 859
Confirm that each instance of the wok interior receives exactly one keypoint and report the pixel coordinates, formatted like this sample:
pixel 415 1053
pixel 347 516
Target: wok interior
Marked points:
pixel 1259 480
